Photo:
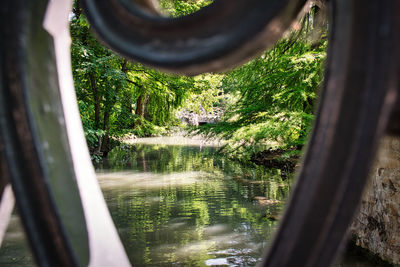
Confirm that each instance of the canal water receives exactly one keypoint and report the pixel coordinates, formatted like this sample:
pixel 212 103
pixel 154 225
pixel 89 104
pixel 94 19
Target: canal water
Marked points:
pixel 177 205
pixel 182 206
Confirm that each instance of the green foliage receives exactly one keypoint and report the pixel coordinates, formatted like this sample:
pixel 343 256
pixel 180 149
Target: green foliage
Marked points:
pixel 268 102
pixel 177 8
pixel 145 128
pixel 93 135
pixel 206 93
pixel 272 99
pixel 116 96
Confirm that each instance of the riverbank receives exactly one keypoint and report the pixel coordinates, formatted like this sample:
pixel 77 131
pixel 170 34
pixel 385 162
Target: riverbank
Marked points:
pixel 175 138
pixel 285 160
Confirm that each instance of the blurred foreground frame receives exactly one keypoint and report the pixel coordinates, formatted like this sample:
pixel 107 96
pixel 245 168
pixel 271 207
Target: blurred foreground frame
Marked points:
pixel 60 202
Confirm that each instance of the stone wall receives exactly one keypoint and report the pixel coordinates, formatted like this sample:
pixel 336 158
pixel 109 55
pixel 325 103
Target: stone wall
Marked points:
pixel 377 226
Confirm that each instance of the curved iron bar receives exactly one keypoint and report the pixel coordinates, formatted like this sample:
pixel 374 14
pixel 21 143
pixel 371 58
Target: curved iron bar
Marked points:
pixel 360 90
pixel 359 93
pixel 41 137
pixel 220 36
pixel 34 143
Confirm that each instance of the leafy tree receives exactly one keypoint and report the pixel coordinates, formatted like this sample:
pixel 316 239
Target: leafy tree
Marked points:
pixel 272 98
pixel 117 96
pixel 269 101
pixel 177 8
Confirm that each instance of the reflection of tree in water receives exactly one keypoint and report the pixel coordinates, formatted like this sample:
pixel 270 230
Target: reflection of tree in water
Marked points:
pixel 215 216
pixel 159 158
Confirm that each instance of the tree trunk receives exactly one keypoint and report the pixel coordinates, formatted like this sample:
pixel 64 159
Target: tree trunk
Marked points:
pixel 106 128
pixel 319 24
pixel 124 67
pixel 96 99
pixel 140 106
pixel 105 148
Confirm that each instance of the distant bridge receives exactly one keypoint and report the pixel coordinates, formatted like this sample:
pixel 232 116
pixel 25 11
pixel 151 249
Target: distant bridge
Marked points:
pixel 193 118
